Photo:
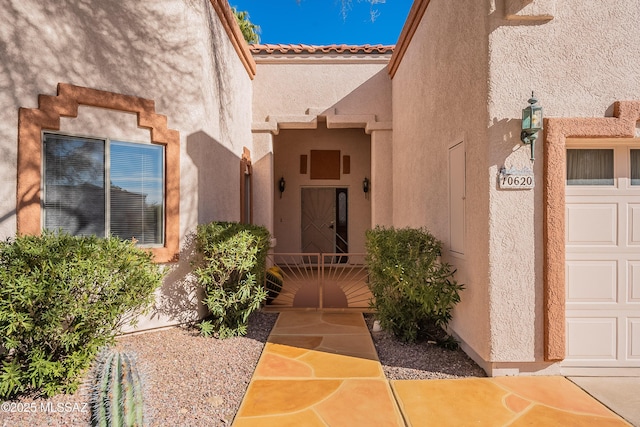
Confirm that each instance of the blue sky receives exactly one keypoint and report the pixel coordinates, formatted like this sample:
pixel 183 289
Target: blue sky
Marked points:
pixel 320 22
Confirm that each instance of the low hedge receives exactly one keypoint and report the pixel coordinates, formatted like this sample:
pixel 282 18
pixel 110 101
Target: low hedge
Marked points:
pixel 414 293
pixel 61 299
pixel 232 274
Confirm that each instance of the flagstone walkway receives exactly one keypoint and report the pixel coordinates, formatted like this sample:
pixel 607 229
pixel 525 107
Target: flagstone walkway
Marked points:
pixel 322 369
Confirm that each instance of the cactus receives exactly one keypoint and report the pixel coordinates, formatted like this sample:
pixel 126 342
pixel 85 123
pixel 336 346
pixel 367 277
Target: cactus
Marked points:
pixel 117 392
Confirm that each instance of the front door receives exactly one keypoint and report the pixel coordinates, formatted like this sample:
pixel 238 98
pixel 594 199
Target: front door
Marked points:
pixel 324 220
pixel 324 231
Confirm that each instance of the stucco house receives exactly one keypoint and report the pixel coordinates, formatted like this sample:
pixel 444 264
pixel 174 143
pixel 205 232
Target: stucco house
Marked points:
pixel 166 102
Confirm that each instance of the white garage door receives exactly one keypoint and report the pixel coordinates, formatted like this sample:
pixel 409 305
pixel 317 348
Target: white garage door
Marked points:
pixel 603 260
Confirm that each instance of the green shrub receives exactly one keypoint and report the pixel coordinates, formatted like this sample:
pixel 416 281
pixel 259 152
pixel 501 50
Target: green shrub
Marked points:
pixel 414 293
pixel 232 274
pixel 61 299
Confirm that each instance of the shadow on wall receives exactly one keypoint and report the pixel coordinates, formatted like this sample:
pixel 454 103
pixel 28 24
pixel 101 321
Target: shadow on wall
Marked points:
pixel 508 139
pixel 373 94
pixel 263 190
pixel 96 45
pixel 180 297
pixel 218 179
pixel 11 214
pixel 538 16
pixel 171 52
pixel 217 191
pixel 217 70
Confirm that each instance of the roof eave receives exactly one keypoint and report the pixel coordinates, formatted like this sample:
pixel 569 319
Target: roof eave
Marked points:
pixel 410 26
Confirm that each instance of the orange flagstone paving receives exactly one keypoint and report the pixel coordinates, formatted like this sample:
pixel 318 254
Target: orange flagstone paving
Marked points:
pixel 319 369
pixel 501 401
pixel 322 369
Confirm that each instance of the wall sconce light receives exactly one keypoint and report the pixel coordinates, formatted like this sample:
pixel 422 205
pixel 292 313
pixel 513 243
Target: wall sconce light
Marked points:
pixel 531 123
pixel 365 186
pixel 281 186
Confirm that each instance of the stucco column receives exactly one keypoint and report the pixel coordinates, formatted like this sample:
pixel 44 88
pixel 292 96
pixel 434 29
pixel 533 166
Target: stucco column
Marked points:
pixel 381 178
pixel 262 161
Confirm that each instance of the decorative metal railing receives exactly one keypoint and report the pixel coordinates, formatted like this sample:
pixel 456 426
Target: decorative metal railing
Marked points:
pixel 317 280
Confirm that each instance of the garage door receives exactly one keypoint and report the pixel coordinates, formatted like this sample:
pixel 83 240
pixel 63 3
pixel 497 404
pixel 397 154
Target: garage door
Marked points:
pixel 603 259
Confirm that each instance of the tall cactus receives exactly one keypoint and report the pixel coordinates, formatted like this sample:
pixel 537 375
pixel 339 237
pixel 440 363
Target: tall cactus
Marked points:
pixel 117 393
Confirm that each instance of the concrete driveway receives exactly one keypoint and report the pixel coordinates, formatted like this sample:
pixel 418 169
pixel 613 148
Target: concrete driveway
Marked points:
pixel 620 394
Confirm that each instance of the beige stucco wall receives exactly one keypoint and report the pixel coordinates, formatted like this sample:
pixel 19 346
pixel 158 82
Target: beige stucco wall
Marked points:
pixel 341 90
pixel 173 52
pixel 382 171
pixel 578 64
pixel 350 84
pixel 466 75
pixel 439 100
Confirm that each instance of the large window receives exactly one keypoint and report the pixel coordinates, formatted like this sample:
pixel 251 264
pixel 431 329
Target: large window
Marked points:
pixel 77 200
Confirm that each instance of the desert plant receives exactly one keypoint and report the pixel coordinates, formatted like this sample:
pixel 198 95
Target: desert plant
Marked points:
pixel 61 299
pixel 249 30
pixel 117 395
pixel 232 274
pixel 414 293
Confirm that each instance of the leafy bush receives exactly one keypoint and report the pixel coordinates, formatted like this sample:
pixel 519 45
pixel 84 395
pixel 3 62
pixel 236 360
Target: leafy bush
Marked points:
pixel 61 299
pixel 232 274
pixel 414 293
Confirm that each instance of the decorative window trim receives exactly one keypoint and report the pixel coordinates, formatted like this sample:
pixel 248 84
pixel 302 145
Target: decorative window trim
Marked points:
pixel 31 123
pixel 622 125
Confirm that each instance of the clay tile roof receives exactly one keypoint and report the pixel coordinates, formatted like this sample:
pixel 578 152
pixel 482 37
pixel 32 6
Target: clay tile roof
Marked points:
pixel 333 48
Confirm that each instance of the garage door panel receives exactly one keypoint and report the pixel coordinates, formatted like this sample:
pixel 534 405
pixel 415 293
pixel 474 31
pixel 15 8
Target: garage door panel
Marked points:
pixel 633 225
pixel 634 282
pixel 603 258
pixel 592 338
pixel 592 224
pixel 633 343
pixel 592 281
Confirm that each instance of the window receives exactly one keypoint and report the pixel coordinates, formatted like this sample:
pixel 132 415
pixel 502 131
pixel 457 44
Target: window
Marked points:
pixel 246 190
pixel 78 201
pixel 590 167
pixel 635 167
pixel 246 210
pixel 33 123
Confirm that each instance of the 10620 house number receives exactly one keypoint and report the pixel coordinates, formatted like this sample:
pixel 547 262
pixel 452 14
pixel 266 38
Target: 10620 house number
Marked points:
pixel 516 179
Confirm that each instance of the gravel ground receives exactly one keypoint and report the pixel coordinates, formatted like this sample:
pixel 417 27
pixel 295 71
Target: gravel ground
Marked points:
pixel 189 380
pixel 195 381
pixel 420 361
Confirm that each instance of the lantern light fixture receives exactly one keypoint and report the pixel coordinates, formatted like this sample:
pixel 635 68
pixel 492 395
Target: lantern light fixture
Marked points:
pixel 366 184
pixel 281 185
pixel 531 123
